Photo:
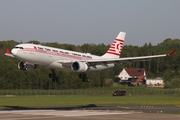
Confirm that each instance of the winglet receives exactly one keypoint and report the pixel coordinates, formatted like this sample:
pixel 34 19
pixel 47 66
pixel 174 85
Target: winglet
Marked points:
pixel 8 53
pixel 172 52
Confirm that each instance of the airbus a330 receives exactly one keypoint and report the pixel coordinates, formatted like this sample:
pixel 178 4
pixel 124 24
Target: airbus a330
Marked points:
pixel 33 55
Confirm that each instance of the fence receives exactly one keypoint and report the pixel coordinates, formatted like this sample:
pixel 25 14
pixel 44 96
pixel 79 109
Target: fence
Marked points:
pixel 91 92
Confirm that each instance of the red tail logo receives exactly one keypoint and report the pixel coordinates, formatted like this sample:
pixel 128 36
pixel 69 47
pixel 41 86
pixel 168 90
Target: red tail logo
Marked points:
pixel 116 47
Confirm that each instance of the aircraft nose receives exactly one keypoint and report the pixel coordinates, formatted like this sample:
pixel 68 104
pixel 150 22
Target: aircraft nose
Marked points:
pixel 14 51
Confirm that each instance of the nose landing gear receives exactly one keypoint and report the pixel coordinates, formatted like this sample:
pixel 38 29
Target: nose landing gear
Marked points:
pixel 53 76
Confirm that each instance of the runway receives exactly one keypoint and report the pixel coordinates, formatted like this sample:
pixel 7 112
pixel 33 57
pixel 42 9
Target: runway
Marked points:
pixel 82 115
pixel 91 112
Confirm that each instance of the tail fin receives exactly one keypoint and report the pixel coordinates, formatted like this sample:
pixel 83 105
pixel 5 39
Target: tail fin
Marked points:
pixel 115 49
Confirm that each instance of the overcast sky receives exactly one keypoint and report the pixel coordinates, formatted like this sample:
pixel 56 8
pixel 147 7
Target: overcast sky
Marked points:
pixel 89 21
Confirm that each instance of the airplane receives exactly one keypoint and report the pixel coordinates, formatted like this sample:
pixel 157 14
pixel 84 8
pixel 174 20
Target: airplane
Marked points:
pixel 33 55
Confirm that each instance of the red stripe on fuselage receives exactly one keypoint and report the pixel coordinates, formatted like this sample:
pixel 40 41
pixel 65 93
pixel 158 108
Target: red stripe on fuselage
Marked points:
pixel 69 56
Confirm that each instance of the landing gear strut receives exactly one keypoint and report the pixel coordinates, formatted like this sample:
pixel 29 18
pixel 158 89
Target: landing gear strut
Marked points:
pixel 53 76
pixel 84 77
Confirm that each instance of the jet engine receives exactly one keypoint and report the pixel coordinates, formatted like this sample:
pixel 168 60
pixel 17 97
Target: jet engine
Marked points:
pixel 26 66
pixel 79 66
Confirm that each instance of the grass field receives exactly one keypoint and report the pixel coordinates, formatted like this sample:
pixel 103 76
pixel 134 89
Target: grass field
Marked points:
pixel 73 100
pixel 96 96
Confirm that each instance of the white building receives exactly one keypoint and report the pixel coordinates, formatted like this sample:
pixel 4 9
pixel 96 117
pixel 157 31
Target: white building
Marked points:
pixel 155 81
pixel 132 76
pixel 128 73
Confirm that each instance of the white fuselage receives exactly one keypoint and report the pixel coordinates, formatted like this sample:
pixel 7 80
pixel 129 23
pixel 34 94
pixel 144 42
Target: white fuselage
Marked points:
pixel 53 57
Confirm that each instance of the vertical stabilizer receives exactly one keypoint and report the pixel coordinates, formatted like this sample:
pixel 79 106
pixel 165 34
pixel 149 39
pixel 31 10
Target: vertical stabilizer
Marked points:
pixel 115 49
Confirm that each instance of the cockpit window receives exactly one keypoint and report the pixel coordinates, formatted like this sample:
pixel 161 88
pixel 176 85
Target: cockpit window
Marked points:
pixel 19 47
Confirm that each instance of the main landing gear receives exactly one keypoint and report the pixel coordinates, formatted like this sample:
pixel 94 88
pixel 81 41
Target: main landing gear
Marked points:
pixel 53 76
pixel 84 77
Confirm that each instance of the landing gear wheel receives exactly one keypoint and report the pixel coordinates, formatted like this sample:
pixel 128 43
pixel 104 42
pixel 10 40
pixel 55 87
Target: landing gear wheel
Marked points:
pixel 84 77
pixel 50 75
pixel 53 76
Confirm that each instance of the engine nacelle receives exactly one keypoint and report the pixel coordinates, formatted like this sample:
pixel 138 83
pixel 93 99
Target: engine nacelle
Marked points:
pixel 79 66
pixel 26 66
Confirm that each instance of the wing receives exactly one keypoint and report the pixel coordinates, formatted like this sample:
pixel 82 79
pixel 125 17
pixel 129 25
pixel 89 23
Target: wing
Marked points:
pixel 117 61
pixel 128 59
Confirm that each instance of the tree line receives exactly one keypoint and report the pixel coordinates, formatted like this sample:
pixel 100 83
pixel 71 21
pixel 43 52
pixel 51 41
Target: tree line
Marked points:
pixel 167 68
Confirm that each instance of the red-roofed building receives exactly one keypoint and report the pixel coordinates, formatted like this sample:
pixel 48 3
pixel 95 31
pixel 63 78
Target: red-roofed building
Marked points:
pixel 132 76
